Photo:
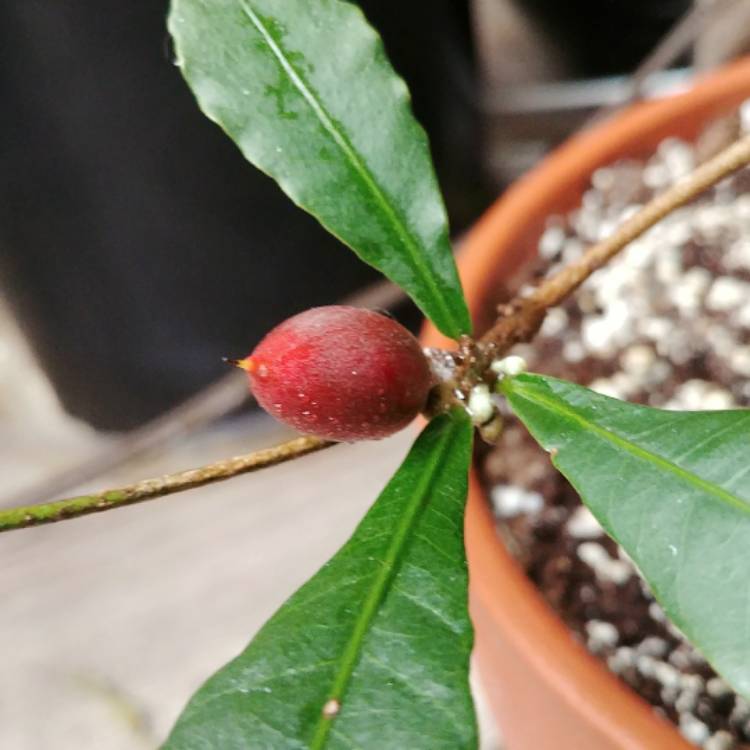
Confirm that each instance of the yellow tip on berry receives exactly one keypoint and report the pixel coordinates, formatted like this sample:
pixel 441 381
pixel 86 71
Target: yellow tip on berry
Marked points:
pixel 248 364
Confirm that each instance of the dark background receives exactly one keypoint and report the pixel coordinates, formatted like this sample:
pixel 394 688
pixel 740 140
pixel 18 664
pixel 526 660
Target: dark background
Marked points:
pixel 136 245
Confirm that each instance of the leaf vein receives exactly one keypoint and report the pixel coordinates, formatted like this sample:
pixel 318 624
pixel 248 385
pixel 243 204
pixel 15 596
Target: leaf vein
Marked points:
pixel 342 141
pixel 406 683
pixel 627 445
pixel 704 442
pixel 369 607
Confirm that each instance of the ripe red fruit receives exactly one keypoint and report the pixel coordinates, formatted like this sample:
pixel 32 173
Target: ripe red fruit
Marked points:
pixel 341 373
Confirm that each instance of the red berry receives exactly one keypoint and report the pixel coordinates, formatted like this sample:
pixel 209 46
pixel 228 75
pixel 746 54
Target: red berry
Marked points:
pixel 341 373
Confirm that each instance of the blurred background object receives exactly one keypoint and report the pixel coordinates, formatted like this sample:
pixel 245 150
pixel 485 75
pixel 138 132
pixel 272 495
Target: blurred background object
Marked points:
pixel 724 34
pixel 546 68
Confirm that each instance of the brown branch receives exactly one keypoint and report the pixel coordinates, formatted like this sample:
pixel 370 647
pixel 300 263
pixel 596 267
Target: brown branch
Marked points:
pixel 149 489
pixel 521 319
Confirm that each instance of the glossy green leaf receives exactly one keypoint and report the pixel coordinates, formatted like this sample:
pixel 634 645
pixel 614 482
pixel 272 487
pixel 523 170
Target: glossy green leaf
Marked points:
pixel 673 488
pixel 382 628
pixel 305 90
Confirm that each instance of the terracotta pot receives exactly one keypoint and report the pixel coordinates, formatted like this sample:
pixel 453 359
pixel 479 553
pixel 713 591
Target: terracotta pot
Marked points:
pixel 545 689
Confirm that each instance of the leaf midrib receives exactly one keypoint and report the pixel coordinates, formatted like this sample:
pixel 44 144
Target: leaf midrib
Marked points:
pixel 349 152
pixel 643 454
pixel 379 585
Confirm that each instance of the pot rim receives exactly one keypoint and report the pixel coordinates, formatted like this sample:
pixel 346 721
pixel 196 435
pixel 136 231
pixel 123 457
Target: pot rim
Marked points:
pixel 504 238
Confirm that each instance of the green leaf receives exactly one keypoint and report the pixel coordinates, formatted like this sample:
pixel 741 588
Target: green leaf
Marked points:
pixel 305 90
pixel 382 628
pixel 673 488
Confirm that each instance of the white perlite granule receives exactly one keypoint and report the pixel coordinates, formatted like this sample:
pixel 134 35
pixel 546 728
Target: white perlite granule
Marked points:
pixel 601 635
pixel 654 307
pixel 509 501
pixel 605 567
pixel 583 525
pixel 693 729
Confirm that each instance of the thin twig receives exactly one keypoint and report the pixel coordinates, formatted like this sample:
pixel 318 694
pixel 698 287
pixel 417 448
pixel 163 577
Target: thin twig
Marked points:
pixel 148 489
pixel 223 396
pixel 521 319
